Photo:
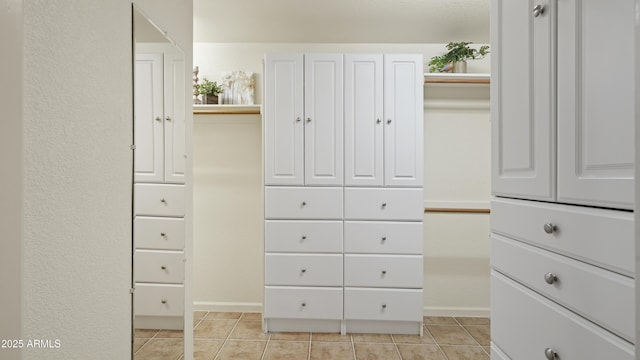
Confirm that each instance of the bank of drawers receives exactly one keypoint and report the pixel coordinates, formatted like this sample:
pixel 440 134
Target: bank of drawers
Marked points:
pixel 383 271
pixel 562 267
pixel 159 236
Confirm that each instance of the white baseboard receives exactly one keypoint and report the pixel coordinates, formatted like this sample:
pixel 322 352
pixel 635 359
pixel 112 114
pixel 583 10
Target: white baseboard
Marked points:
pixel 227 306
pixel 456 311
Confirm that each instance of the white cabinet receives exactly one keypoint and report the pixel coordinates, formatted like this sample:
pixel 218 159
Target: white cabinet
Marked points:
pixel 343 164
pixel 589 139
pixel 159 190
pixel 303 119
pixel 159 126
pixel 562 135
pixel 383 124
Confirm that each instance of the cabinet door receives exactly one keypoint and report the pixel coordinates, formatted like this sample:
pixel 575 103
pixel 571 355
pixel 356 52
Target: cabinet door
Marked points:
pixel 283 125
pixel 363 130
pixel 323 107
pixel 404 112
pixel 174 117
pixel 596 102
pixel 148 118
pixel 522 106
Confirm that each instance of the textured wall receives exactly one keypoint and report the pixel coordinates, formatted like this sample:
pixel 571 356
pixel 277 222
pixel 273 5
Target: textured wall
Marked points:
pixel 11 165
pixel 77 178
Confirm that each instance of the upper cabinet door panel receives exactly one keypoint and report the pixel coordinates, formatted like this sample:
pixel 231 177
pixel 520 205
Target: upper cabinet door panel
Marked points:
pixel 403 119
pixel 522 105
pixel 596 102
pixel 363 130
pixel 283 114
pixel 174 117
pixel 324 114
pixel 148 129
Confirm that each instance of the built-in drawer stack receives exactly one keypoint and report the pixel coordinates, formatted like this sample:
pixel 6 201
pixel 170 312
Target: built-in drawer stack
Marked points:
pixel 159 235
pixel 562 281
pixel 383 264
pixel 303 259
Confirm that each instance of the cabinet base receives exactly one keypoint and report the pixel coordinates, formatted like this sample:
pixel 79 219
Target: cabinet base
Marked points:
pixel 301 325
pixel 384 327
pixel 159 322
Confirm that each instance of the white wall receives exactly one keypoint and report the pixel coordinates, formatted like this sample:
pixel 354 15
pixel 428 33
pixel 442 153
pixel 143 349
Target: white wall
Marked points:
pixel 11 41
pixel 77 169
pixel 228 240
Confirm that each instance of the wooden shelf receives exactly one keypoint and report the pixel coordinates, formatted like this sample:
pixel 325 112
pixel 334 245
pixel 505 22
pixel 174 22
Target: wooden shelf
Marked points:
pixel 445 78
pixel 230 109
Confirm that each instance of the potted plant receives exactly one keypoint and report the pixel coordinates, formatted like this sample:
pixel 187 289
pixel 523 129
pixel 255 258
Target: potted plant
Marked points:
pixel 210 91
pixel 456 59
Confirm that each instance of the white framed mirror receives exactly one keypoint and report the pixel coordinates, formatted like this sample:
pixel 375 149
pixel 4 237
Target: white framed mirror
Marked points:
pixel 162 310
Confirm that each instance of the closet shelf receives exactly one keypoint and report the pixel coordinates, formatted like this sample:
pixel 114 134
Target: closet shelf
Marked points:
pixel 231 109
pixel 445 78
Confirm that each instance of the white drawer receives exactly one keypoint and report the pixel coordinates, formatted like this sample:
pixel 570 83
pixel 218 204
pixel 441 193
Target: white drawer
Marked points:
pixel 601 237
pixel 397 271
pixel 305 270
pixel 158 266
pixel 159 200
pixel 159 300
pixel 383 304
pixel 377 237
pixel 303 203
pixel 158 233
pixel 303 303
pixel 383 204
pixel 303 236
pixel 600 295
pixel 524 324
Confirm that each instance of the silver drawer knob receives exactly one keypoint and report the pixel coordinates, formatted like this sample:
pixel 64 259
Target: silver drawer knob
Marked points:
pixel 549 228
pixel 163 234
pixel 303 304
pixel 303 271
pixel 388 121
pixel 550 278
pixel 163 267
pixel 538 10
pixel 550 354
pixel 304 237
pixel 384 306
pixel 378 121
pixel 164 301
pixel 384 205
pixel 158 118
pixel 304 203
pixel 168 118
pixel 298 119
pixel 383 272
pixel 308 119
pixel 163 201
pixel 384 238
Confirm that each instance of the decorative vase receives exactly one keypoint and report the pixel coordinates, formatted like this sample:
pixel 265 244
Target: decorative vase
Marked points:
pixel 460 67
pixel 209 99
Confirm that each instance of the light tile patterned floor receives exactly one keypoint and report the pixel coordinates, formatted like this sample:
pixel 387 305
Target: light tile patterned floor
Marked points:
pixel 238 336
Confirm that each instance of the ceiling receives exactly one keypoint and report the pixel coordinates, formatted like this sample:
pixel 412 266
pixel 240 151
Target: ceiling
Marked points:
pixel 341 21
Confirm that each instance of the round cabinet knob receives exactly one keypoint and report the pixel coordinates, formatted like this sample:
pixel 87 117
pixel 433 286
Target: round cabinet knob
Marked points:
pixel 298 119
pixel 384 238
pixel 168 118
pixel 550 354
pixel 163 201
pixel 303 304
pixel 378 121
pixel 164 301
pixel 538 10
pixel 158 118
pixel 383 272
pixel 163 234
pixel 308 119
pixel 384 205
pixel 304 237
pixel 384 306
pixel 550 278
pixel 388 121
pixel 304 203
pixel 163 267
pixel 549 228
pixel 303 271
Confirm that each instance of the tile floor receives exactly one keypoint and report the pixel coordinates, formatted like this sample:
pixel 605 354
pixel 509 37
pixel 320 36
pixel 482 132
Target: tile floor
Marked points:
pixel 238 336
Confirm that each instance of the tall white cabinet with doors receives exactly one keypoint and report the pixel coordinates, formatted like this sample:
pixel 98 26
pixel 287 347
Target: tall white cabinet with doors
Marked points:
pixel 159 175
pixel 562 248
pixel 343 193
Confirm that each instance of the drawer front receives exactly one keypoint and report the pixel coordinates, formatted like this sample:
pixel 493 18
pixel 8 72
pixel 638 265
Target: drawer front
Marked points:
pixel 393 271
pixel 382 304
pixel 304 270
pixel 375 237
pixel 600 295
pixel 158 233
pixel 159 200
pixel 303 236
pixel 383 204
pixel 157 266
pixel 303 303
pixel 601 237
pixel 524 324
pixel 159 300
pixel 303 203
